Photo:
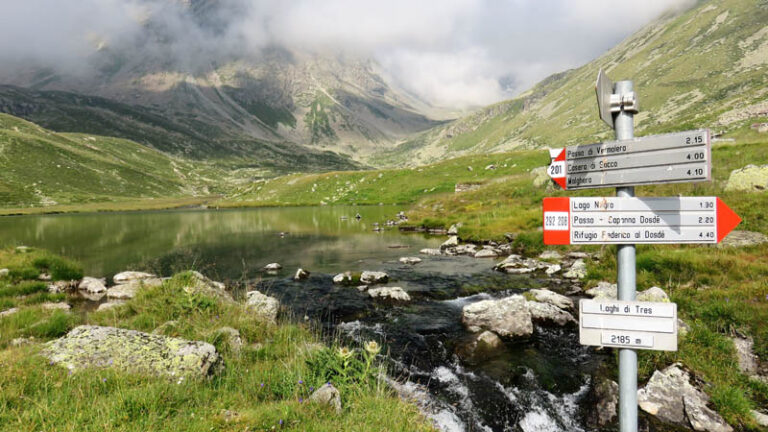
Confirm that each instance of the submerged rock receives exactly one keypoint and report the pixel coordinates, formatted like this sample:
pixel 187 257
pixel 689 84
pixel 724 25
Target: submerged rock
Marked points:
pixel 549 313
pixel 373 277
pixel 389 293
pixel 301 274
pixel 508 317
pixel 670 397
pixel 130 276
pixel 264 306
pixel 93 285
pixel 327 395
pixel 410 260
pixel 553 298
pixel 133 351
pixel 482 346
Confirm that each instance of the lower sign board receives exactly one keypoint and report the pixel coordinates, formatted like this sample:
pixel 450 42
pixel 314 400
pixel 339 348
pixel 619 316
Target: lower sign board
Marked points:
pixel 628 324
pixel 619 220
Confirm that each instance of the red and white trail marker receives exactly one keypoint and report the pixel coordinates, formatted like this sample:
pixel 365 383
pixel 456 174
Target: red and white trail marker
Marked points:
pixel 615 220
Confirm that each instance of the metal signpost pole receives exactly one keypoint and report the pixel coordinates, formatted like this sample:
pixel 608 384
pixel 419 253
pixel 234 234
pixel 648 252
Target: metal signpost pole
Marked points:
pixel 624 128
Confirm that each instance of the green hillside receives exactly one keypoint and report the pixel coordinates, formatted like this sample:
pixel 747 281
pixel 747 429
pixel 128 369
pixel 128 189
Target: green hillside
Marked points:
pixel 707 67
pixel 43 168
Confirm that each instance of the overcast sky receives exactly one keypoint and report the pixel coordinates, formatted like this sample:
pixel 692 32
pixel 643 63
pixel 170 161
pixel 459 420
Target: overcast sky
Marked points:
pixel 453 53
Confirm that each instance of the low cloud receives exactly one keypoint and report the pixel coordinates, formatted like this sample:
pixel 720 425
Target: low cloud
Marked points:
pixel 453 53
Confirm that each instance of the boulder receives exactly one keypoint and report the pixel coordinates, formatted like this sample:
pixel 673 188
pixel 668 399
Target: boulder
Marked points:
pixel 603 290
pixel 508 317
pixel 578 270
pixel 133 351
pixel 760 418
pixel 108 305
pixel 231 338
pixel 128 290
pixel 515 264
pixel 748 362
pixel 431 251
pixel 549 313
pixel 343 278
pixel 327 395
pixel 373 277
pixel 93 285
pixel 743 239
pixel 670 397
pixel 301 274
pixel 62 306
pixel 653 294
pixel 410 260
pixel 554 268
pixel 271 267
pixel 264 306
pixel 553 298
pixel 550 255
pixel 452 241
pixel 751 178
pixel 389 293
pixel 201 285
pixel 131 276
pixel 486 253
pixel 4 273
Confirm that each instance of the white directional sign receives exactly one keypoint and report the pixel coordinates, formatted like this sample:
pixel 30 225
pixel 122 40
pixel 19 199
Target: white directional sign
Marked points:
pixel 671 158
pixel 615 220
pixel 628 324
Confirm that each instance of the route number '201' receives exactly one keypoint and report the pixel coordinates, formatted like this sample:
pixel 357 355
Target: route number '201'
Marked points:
pixel 555 170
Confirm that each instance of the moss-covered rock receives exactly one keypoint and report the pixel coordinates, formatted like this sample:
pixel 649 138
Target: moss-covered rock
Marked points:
pixel 133 351
pixel 751 178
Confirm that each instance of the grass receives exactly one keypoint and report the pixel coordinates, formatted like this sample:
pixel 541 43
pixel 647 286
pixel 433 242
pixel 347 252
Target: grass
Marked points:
pixel 265 384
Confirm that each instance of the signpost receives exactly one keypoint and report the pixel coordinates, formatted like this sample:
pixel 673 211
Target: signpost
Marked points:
pixel 625 221
pixel 612 220
pixel 628 324
pixel 670 158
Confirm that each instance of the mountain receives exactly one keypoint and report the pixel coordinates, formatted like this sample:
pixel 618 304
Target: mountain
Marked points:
pixel 266 107
pixel 705 67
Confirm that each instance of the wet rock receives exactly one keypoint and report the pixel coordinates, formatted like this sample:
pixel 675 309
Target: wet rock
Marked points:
pixel 743 239
pixel 603 290
pixel 134 352
pixel 301 274
pixel 373 277
pixel 431 251
pixel 4 273
pixel 201 285
pixel 515 264
pixel 553 298
pixel 465 249
pixel 130 276
pixel 605 394
pixel 56 306
pixel 231 337
pixel 554 268
pixel 327 395
pixel 550 255
pixel 389 293
pixel 264 306
pixel 508 317
pixel 108 305
pixel 343 278
pixel 670 397
pixel 549 313
pixel 748 362
pixel 410 260
pixel 452 241
pixel 751 178
pixel 653 294
pixel 272 267
pixel 8 312
pixel 486 253
pixel 578 270
pixel 60 287
pixel 92 285
pixel 453 230
pixel 128 290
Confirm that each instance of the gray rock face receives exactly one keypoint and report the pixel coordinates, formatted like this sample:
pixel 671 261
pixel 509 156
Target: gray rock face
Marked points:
pixel 92 285
pixel 264 306
pixel 130 276
pixel 578 270
pixel 327 395
pixel 410 260
pixel 200 284
pixel 751 178
pixel 430 251
pixel 553 298
pixel 515 264
pixel 389 293
pixel 128 290
pixel 373 277
pixel 508 317
pixel 133 351
pixel 603 290
pixel 747 359
pixel 486 253
pixel 653 294
pixel 670 396
pixel 743 239
pixel 548 313
pixel 452 241
pixel 301 274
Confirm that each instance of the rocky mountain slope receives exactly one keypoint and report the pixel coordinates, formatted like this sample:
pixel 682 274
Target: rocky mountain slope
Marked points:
pixel 705 67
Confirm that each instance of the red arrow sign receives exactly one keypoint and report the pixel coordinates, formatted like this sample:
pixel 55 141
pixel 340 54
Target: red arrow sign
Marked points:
pixel 614 220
